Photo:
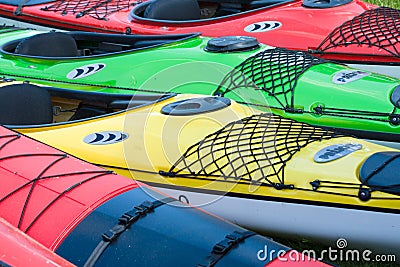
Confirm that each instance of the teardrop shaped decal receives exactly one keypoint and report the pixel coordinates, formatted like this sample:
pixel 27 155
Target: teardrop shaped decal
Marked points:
pixel 263 26
pixel 105 138
pixel 85 71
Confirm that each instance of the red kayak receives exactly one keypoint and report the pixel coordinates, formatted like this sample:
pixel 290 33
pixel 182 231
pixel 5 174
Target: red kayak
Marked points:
pixel 351 31
pixel 91 216
pixel 19 250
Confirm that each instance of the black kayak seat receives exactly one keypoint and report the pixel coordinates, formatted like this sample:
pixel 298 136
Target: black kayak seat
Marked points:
pixel 49 44
pixel 176 10
pixel 25 104
pixel 381 172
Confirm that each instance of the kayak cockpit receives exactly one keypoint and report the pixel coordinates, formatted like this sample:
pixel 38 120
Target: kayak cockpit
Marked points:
pixel 85 44
pixel 27 104
pixel 189 10
pixel 197 10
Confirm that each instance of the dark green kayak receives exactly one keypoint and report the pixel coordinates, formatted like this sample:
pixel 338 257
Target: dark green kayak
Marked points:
pixel 290 83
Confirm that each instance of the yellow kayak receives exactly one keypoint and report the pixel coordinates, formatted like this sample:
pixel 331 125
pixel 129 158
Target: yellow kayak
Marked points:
pixel 257 169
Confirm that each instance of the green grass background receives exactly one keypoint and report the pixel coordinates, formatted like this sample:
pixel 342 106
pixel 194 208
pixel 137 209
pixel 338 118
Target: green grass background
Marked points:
pixel 307 244
pixel 388 3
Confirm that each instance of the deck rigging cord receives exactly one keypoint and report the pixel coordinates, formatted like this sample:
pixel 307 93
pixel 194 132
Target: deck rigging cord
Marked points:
pixel 56 157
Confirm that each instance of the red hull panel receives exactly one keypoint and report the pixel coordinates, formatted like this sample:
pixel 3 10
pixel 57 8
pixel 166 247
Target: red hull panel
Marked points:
pixel 18 249
pixel 34 194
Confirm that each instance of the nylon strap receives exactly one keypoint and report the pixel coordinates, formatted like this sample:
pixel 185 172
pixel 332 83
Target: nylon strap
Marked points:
pixel 17 12
pixel 223 247
pixel 124 222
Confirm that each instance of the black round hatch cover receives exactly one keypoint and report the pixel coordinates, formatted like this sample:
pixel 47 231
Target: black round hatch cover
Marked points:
pixel 195 106
pixel 325 3
pixel 232 44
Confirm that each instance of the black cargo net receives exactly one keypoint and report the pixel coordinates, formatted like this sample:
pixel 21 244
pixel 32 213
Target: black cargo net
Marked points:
pixel 98 9
pixel 378 27
pixel 252 150
pixel 87 175
pixel 255 151
pixel 273 71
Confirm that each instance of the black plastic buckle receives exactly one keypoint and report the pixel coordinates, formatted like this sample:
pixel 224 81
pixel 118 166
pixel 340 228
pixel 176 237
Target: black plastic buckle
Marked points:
pixel 229 241
pixel 124 222
pixel 221 247
pixel 113 233
pixel 144 208
pixel 128 218
pixel 235 237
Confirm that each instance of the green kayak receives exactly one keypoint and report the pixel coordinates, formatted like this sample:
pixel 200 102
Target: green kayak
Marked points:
pixel 290 83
